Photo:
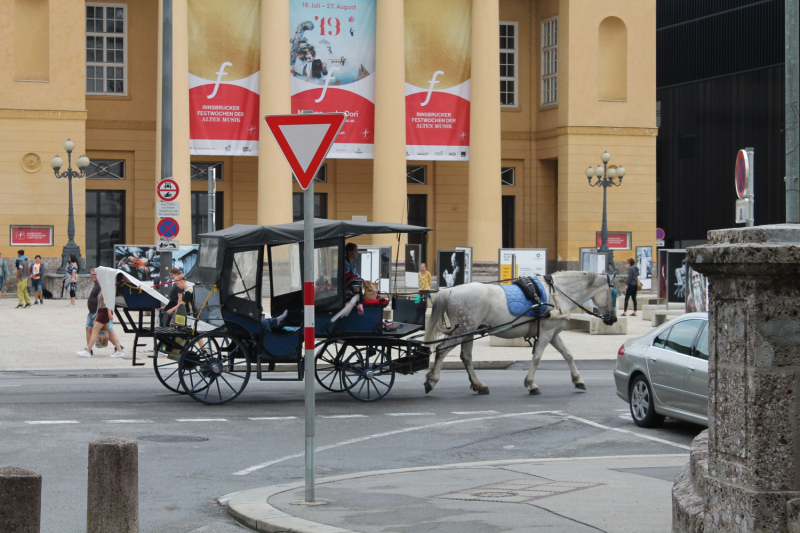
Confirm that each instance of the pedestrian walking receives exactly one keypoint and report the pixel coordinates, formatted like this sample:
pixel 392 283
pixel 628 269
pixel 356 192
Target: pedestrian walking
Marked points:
pixel 37 277
pixel 22 280
pixel 424 282
pixel 99 319
pixel 4 274
pixel 632 286
pixel 71 279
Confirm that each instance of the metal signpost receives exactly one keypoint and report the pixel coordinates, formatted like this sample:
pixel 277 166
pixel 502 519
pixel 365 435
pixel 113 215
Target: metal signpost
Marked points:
pixel 305 141
pixel 212 199
pixel 745 205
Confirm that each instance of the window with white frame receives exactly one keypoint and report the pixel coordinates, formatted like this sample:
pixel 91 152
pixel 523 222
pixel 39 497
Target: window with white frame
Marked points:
pixel 508 64
pixel 106 49
pixel 550 61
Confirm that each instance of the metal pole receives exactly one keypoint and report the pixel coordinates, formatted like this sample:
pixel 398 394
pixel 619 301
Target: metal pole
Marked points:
pixel 166 92
pixel 308 313
pixel 604 230
pixel 212 199
pixel 792 112
pixel 751 186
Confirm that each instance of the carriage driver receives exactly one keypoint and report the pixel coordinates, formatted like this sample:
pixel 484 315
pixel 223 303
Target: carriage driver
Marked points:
pixel 350 256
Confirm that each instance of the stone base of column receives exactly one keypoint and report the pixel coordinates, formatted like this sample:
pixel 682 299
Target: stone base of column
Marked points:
pixel 20 500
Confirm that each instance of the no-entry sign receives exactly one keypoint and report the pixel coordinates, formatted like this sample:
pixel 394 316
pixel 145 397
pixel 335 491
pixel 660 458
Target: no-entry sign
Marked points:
pixel 168 190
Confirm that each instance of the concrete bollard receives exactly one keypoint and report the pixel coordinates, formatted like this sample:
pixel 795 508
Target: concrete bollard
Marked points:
pixel 113 493
pixel 20 500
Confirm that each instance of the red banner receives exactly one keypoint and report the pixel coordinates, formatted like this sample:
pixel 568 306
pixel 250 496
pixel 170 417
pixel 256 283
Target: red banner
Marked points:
pixel 615 241
pixel 31 235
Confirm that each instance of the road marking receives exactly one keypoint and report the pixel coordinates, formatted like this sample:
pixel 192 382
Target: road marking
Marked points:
pixel 621 410
pixel 509 447
pixel 47 422
pixel 252 469
pixel 475 412
pixel 410 414
pixel 128 421
pixel 201 419
pixel 635 434
pixel 344 416
pixel 273 418
pixel 626 417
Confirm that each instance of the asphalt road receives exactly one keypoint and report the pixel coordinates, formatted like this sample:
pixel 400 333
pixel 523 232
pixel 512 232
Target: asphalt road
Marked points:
pixel 190 454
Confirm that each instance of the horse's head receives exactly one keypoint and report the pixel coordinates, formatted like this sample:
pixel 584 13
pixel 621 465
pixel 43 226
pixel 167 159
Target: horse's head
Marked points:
pixel 606 299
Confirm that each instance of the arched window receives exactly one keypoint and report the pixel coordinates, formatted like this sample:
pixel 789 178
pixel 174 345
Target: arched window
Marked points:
pixel 612 66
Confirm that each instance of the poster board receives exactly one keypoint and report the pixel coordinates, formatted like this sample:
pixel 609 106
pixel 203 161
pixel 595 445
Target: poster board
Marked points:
pixel 412 261
pixel 529 261
pixel 375 264
pixel 142 262
pixel 616 240
pixel 449 268
pixel 644 262
pixel 594 262
pixel 467 262
pixel 672 276
pixel 697 291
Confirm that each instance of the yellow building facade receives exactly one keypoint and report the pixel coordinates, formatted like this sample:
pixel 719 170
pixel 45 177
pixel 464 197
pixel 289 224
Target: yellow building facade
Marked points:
pixel 583 81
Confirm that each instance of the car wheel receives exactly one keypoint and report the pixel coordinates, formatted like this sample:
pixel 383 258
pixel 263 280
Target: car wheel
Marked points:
pixel 643 405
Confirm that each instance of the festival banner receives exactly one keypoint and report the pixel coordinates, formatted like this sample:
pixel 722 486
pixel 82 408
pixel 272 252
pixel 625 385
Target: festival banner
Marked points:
pixel 332 65
pixel 438 55
pixel 224 64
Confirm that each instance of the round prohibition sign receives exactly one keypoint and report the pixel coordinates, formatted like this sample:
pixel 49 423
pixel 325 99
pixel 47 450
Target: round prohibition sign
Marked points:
pixel 168 190
pixel 168 228
pixel 660 234
pixel 742 172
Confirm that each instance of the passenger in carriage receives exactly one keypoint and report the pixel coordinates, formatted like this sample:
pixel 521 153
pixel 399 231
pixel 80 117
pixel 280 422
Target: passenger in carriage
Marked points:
pixel 271 325
pixel 350 256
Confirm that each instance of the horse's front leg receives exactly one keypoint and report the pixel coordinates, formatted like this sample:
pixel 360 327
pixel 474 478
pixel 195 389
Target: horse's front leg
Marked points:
pixel 466 358
pixel 559 345
pixel 530 383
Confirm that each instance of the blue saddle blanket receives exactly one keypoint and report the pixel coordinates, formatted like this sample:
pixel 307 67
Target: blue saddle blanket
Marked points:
pixel 518 303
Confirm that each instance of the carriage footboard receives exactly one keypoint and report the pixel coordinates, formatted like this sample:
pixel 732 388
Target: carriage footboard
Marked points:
pixel 417 358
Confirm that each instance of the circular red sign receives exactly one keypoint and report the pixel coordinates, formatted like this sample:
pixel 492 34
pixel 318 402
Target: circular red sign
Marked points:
pixel 742 172
pixel 168 228
pixel 168 190
pixel 660 234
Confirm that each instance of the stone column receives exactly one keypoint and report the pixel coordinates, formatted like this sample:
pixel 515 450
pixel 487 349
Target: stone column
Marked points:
pixel 181 160
pixel 20 500
pixel 484 223
pixel 113 492
pixel 754 384
pixel 274 176
pixel 389 191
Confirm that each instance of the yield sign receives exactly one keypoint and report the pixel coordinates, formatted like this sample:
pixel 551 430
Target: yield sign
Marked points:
pixel 305 140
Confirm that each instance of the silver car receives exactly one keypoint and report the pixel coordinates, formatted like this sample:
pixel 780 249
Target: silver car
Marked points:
pixel 665 373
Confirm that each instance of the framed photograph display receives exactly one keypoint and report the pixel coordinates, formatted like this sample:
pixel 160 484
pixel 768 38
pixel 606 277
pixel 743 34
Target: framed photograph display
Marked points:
pixel 594 262
pixel 696 291
pixel 644 262
pixel 143 262
pixel 412 262
pixel 528 262
pixel 375 264
pixel 467 262
pixel 450 268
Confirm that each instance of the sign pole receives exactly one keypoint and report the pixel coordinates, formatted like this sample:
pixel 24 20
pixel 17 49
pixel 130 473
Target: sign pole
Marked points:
pixel 751 218
pixel 308 314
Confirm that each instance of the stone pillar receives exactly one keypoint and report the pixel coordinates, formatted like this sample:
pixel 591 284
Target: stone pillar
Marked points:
pixel 113 492
pixel 484 223
pixel 274 176
pixel 754 383
pixel 181 160
pixel 389 191
pixel 20 500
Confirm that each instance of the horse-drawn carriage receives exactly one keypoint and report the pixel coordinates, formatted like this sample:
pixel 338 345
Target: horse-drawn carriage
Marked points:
pixel 211 356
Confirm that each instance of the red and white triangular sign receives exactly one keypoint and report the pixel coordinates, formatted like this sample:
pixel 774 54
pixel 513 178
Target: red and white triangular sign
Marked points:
pixel 305 140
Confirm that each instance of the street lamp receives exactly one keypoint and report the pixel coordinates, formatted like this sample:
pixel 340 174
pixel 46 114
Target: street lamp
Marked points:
pixel 57 163
pixel 605 178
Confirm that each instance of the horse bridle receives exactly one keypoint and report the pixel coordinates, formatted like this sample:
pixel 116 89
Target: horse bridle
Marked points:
pixel 609 304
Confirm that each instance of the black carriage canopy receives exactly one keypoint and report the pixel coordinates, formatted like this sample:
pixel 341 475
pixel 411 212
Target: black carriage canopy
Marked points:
pixel 214 245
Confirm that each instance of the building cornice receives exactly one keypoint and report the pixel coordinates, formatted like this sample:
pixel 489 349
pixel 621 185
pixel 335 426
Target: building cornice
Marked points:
pixel 576 130
pixel 120 125
pixel 50 114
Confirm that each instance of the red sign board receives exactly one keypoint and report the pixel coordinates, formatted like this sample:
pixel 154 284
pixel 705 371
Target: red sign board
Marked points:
pixel 742 173
pixel 168 228
pixel 620 240
pixel 31 235
pixel 305 140
pixel 168 190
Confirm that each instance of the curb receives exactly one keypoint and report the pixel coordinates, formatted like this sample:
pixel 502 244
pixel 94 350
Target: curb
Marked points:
pixel 251 507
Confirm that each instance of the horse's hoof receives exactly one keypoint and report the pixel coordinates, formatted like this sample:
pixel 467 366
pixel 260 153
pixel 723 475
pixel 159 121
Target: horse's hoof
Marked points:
pixel 581 386
pixel 535 392
pixel 483 390
pixel 428 387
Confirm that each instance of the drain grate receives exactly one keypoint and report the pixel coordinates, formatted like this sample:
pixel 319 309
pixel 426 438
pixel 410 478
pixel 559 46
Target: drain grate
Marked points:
pixel 518 491
pixel 171 438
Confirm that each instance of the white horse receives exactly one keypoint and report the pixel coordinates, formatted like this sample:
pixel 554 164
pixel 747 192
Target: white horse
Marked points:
pixel 475 305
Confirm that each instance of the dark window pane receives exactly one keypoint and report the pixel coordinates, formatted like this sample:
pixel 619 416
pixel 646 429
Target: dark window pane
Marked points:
pixel 110 56
pixel 118 87
pixel 109 26
pixel 510 69
pixel 682 336
pixel 110 86
pixel 510 43
pixel 503 99
pixel 119 43
pixel 510 30
pixel 119 73
pixel 90 72
pixel 502 43
pixel 508 221
pixel 119 57
pixel 110 73
pixel 89 55
pixel 89 86
pixel 89 12
pixel 90 42
pixel 118 26
pixel 510 86
pixel 503 30
pixel 502 69
pixel 120 13
pixel 109 12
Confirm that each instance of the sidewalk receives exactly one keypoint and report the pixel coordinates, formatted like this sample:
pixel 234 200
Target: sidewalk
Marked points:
pixel 623 494
pixel 47 337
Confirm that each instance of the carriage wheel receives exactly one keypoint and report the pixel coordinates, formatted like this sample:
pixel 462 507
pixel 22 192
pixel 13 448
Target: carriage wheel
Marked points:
pixel 214 368
pixel 329 364
pixel 368 373
pixel 167 370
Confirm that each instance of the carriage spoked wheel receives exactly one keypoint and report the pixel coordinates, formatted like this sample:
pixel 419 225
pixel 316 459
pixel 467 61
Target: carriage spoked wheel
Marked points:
pixel 165 364
pixel 368 373
pixel 214 368
pixel 329 365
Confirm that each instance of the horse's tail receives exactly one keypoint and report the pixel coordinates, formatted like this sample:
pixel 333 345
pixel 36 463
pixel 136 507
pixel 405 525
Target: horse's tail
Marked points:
pixel 436 320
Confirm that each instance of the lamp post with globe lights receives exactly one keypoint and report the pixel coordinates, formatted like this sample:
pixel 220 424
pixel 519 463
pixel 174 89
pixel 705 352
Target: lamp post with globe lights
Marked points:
pixel 82 162
pixel 606 178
